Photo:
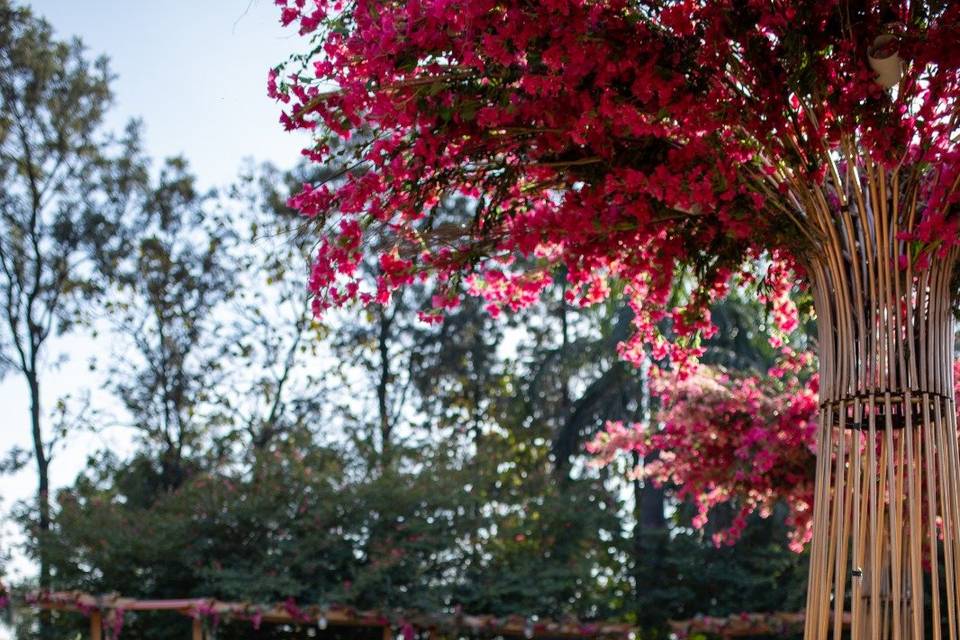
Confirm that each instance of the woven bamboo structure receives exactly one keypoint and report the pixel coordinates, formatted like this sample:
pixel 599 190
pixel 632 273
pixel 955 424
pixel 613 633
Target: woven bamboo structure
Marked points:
pixel 887 518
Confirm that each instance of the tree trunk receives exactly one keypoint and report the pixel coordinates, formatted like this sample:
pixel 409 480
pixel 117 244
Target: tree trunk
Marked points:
pixel 648 550
pixel 43 496
pixel 887 476
pixel 649 503
pixel 383 385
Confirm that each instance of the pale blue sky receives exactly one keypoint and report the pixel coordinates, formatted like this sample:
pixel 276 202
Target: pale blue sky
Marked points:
pixel 195 72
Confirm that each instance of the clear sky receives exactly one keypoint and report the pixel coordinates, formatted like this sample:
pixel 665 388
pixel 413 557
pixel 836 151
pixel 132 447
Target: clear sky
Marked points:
pixel 195 72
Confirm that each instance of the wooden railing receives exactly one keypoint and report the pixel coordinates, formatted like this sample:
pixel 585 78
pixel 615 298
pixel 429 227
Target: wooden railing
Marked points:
pixel 106 612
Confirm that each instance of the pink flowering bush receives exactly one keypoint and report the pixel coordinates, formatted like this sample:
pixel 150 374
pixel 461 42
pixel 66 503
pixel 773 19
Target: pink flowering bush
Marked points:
pixel 642 147
pixel 748 441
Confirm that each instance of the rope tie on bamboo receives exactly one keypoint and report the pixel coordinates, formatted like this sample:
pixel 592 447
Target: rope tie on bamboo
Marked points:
pixel 875 405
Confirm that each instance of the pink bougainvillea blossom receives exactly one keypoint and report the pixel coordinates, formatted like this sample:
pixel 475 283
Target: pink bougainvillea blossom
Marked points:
pixel 747 441
pixel 661 147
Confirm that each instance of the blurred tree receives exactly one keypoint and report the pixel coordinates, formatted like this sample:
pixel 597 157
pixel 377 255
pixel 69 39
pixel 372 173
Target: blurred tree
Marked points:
pixel 66 195
pixel 467 510
pixel 277 391
pixel 169 319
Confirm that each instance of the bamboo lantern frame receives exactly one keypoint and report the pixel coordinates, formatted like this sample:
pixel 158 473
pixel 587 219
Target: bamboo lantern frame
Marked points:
pixel 886 536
